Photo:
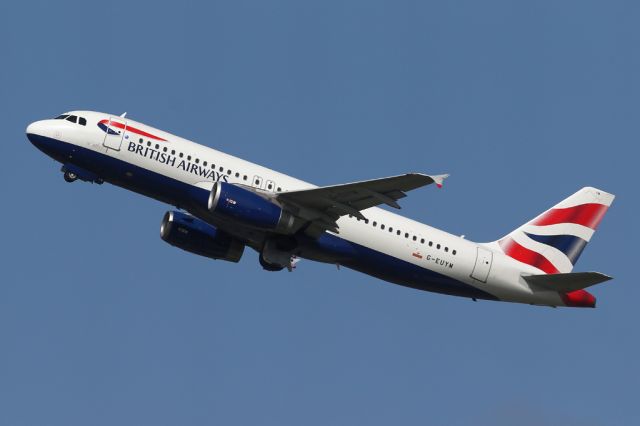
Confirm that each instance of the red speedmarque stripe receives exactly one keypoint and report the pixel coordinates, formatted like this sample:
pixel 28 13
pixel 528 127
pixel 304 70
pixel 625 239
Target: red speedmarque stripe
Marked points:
pixel 133 130
pixel 522 254
pixel 588 215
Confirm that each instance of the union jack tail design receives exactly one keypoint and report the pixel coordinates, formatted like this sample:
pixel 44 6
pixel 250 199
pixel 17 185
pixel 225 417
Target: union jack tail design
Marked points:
pixel 553 241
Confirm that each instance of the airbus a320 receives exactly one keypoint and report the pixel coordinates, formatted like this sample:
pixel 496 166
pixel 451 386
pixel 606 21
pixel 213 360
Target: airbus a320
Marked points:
pixel 224 204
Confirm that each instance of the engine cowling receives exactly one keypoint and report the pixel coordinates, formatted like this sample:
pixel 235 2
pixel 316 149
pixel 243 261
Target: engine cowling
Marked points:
pixel 196 236
pixel 250 208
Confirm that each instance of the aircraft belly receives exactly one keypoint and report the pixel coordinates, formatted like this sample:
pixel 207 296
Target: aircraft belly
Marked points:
pixel 328 248
pixel 334 249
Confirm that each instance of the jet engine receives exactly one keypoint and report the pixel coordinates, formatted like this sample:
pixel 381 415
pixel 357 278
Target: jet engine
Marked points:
pixel 250 208
pixel 196 236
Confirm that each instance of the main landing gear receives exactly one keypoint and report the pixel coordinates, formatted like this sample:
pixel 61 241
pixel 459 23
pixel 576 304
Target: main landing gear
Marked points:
pixel 278 253
pixel 272 267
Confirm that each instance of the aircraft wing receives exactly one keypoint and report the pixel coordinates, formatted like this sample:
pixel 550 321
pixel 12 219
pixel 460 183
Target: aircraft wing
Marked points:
pixel 324 205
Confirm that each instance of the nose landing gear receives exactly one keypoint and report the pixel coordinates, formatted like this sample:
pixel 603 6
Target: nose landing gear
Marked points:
pixel 70 176
pixel 73 173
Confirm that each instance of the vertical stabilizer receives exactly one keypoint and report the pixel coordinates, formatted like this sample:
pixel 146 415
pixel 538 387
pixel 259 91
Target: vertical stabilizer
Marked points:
pixel 554 240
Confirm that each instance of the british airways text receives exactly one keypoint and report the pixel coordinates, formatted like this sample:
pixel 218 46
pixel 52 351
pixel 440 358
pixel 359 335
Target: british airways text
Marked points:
pixel 171 160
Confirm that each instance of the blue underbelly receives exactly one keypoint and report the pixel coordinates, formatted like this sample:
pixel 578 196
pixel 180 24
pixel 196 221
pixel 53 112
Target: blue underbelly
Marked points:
pixel 390 268
pixel 327 247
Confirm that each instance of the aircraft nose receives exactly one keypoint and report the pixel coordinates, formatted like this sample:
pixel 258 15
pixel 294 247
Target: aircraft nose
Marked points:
pixel 46 136
pixel 34 130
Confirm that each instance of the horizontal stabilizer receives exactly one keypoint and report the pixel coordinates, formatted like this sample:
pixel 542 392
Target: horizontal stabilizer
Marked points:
pixel 568 282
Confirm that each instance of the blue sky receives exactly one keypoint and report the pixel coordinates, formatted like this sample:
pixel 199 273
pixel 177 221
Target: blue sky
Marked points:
pixel 523 103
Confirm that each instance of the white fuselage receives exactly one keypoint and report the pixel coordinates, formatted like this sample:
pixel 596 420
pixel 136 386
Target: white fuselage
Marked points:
pixel 144 148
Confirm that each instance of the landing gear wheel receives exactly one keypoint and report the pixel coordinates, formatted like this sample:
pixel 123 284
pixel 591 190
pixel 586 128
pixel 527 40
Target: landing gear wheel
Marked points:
pixel 70 176
pixel 269 266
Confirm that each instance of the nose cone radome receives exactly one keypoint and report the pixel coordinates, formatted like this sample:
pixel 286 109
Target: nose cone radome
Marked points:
pixel 35 130
pixel 44 136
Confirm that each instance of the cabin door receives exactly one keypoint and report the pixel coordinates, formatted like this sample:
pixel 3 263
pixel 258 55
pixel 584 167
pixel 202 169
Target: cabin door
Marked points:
pixel 484 258
pixel 114 130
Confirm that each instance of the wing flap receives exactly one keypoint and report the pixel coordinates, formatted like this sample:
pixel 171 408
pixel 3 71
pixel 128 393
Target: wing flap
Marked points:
pixel 568 282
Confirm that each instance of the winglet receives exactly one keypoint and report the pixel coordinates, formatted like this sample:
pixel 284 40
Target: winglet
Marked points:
pixel 439 179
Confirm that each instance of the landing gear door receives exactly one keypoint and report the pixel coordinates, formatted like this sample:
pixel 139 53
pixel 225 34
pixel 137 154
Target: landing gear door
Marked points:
pixel 484 258
pixel 114 129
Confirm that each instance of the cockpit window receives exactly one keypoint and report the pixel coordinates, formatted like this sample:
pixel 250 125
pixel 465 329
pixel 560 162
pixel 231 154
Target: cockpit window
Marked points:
pixel 72 118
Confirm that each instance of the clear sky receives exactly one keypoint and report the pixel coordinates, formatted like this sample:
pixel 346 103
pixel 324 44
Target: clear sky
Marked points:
pixel 523 102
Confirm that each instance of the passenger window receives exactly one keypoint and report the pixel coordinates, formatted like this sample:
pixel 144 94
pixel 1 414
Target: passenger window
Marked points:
pixel 237 174
pixel 382 226
pixel 197 160
pixel 221 169
pixel 164 149
pixel 430 243
pixel 188 158
pixel 181 155
pixel 157 146
pixel 82 121
pixel 390 229
pixel 422 241
pixel 140 140
pixel 229 172
pixel 453 252
pixel 415 238
pixel 204 163
pixel 375 223
pixel 438 246
pixel 398 232
pixel 148 143
pixel 72 118
pixel 406 235
pixel 365 221
pixel 446 249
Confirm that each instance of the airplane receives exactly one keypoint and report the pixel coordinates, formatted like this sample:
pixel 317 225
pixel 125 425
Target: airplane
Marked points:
pixel 224 204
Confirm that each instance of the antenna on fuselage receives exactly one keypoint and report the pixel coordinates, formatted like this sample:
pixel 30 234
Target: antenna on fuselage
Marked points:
pixel 123 115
